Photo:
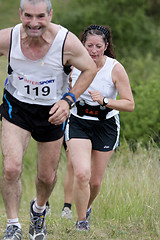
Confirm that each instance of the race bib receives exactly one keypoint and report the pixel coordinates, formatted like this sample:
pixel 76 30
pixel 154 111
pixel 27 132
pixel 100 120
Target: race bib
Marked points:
pixel 44 90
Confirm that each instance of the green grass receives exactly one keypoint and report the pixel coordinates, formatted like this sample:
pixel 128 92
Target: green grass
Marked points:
pixel 9 13
pixel 126 208
pixel 3 73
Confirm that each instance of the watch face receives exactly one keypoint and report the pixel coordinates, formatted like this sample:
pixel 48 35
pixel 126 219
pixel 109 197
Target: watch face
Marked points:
pixel 105 100
pixel 72 105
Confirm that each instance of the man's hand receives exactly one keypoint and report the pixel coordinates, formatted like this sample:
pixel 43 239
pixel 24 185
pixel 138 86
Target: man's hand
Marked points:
pixel 59 112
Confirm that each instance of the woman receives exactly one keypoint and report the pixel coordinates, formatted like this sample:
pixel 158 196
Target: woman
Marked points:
pixel 93 129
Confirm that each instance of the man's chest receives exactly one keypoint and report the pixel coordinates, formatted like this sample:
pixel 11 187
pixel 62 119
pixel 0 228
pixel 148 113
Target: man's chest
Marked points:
pixel 34 52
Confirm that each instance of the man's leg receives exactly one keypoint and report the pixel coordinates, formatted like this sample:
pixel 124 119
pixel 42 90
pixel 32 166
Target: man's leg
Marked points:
pixel 48 159
pixel 14 141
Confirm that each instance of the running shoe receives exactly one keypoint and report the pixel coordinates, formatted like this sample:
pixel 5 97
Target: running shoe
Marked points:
pixel 13 233
pixel 66 213
pixel 38 229
pixel 82 225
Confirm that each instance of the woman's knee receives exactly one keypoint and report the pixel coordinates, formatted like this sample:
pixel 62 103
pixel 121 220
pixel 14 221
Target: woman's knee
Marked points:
pixel 83 175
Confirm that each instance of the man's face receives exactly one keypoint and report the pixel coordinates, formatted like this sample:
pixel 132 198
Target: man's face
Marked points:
pixel 35 18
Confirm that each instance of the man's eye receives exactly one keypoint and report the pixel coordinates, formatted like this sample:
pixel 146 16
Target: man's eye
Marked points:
pixel 27 15
pixel 41 16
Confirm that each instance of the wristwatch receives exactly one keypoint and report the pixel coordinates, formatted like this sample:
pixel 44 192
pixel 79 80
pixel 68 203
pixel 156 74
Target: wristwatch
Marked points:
pixel 71 104
pixel 105 101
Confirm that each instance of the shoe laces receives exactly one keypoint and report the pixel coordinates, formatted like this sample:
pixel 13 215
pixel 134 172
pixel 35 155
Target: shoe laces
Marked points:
pixel 37 222
pixel 83 224
pixel 10 230
pixel 66 210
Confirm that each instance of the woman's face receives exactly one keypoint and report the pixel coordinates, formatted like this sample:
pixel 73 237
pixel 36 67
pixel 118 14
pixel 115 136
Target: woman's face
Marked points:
pixel 95 46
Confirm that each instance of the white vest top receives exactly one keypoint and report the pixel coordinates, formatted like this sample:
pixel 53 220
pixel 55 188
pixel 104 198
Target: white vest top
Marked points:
pixel 103 83
pixel 40 81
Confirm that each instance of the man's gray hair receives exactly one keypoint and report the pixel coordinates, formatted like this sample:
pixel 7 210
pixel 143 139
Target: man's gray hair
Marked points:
pixel 48 3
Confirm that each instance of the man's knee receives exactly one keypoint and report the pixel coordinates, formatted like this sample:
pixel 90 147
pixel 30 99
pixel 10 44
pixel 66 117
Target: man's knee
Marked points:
pixel 96 183
pixel 12 172
pixel 47 179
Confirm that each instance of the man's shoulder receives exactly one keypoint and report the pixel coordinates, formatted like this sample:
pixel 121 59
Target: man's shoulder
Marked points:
pixel 6 31
pixel 5 38
pixel 54 28
pixel 53 31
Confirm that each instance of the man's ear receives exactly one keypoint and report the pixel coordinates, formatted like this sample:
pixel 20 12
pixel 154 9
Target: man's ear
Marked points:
pixel 51 15
pixel 20 13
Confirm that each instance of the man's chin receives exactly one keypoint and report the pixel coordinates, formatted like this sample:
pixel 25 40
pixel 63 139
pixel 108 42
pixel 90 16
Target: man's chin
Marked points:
pixel 34 33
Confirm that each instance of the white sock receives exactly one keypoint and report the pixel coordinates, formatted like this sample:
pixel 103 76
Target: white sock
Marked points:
pixel 38 209
pixel 14 221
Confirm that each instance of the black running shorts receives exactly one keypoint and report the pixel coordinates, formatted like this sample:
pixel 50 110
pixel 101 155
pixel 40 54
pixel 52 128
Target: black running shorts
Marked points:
pixel 31 117
pixel 104 134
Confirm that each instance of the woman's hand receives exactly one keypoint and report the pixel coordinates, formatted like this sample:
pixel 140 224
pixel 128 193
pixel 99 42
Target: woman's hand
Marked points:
pixel 96 96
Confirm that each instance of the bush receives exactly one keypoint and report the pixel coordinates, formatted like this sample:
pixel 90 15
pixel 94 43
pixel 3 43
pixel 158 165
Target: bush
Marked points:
pixel 143 123
pixel 134 32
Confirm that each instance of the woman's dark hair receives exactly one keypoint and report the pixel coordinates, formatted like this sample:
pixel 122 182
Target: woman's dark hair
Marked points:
pixel 103 31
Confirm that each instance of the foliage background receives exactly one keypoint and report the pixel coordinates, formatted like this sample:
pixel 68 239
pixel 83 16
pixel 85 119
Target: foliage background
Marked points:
pixel 128 204
pixel 136 36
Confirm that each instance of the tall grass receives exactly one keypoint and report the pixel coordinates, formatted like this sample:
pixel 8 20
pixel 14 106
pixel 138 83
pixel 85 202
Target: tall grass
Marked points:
pixel 126 208
pixel 130 194
pixel 3 74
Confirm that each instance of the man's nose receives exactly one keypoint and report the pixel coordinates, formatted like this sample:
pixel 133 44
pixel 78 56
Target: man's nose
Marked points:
pixel 33 22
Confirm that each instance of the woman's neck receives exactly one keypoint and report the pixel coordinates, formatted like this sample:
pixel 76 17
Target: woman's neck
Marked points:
pixel 101 63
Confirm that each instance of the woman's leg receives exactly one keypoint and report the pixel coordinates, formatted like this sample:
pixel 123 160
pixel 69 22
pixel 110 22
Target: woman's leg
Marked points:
pixel 80 153
pixel 98 165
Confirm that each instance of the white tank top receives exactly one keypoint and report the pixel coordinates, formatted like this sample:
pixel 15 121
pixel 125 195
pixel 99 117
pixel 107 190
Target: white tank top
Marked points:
pixel 41 81
pixel 103 83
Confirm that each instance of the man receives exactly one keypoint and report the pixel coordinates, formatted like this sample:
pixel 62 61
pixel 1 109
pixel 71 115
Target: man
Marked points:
pixel 39 54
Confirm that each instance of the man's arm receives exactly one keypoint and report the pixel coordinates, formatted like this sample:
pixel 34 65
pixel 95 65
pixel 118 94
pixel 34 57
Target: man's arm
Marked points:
pixel 76 55
pixel 5 36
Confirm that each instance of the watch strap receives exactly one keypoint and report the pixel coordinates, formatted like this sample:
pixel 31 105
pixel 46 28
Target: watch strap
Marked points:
pixel 72 95
pixel 71 104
